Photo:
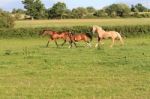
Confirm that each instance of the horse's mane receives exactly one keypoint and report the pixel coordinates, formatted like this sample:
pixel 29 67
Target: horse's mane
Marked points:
pixel 98 27
pixel 48 30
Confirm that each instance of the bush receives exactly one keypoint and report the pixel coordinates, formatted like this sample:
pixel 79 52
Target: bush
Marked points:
pixel 141 14
pixel 19 33
pixel 6 21
pixel 127 31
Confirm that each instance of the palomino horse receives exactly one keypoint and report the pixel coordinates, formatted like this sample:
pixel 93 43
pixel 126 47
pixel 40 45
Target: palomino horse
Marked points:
pixel 54 36
pixel 106 34
pixel 86 37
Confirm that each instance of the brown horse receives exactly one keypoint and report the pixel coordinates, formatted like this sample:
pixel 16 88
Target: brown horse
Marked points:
pixel 106 34
pixel 54 36
pixel 86 37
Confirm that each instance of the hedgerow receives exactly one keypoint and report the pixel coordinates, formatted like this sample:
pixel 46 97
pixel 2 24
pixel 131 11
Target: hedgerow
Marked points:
pixel 127 31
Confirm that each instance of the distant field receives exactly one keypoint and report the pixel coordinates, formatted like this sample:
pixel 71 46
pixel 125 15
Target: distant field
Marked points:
pixel 28 70
pixel 82 22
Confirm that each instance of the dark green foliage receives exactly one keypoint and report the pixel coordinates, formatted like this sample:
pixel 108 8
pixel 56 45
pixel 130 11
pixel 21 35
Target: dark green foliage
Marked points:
pixel 125 31
pixel 79 12
pixel 134 9
pixel 91 10
pixel 20 11
pixel 100 13
pixel 35 8
pixel 120 10
pixel 19 33
pixel 140 7
pixel 57 11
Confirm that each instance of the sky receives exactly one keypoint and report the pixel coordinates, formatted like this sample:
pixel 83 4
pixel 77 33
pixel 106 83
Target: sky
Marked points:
pixel 8 5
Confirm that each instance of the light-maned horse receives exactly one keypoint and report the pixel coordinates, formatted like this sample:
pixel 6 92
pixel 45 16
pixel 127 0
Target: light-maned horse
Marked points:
pixel 54 36
pixel 102 34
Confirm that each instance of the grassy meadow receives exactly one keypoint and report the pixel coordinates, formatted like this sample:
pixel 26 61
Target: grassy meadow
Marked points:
pixel 82 22
pixel 29 70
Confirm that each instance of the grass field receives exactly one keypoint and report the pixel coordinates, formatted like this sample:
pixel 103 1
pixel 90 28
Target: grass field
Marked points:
pixel 82 22
pixel 28 70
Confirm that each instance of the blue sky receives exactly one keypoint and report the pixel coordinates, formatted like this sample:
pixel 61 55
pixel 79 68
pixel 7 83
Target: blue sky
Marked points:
pixel 10 4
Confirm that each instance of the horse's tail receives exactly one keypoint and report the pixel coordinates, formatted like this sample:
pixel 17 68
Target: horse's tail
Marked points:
pixel 119 36
pixel 89 36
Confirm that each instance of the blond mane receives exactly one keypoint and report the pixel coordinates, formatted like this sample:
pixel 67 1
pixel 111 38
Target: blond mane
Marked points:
pixel 98 27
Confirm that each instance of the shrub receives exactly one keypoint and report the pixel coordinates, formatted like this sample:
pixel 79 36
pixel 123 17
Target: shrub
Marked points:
pixel 6 21
pixel 127 31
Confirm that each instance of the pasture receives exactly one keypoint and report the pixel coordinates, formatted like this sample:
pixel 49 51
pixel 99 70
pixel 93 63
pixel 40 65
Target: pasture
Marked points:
pixel 82 22
pixel 30 70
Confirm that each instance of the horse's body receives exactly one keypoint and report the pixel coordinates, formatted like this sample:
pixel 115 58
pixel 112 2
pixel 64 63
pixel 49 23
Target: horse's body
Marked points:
pixel 106 34
pixel 54 36
pixel 80 37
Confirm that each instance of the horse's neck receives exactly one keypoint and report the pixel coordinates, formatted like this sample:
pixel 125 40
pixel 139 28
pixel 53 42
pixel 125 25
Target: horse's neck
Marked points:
pixel 100 30
pixel 52 33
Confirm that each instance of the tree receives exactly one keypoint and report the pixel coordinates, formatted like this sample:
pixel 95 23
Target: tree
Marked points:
pixel 20 11
pixel 118 9
pixel 134 9
pixel 79 12
pixel 58 10
pixel 100 13
pixel 140 7
pixel 91 10
pixel 34 8
pixel 67 14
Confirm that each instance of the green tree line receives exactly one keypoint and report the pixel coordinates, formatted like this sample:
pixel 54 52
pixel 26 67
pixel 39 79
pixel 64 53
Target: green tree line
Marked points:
pixel 37 10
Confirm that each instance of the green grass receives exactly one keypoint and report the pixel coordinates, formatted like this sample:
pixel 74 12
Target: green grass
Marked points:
pixel 28 70
pixel 82 22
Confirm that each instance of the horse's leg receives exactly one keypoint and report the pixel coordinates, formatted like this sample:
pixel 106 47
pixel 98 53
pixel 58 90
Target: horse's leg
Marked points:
pixel 99 40
pixel 75 44
pixel 63 43
pixel 56 43
pixel 70 44
pixel 113 41
pixel 48 42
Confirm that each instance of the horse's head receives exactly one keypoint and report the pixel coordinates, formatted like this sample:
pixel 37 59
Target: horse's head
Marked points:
pixel 41 32
pixel 96 29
